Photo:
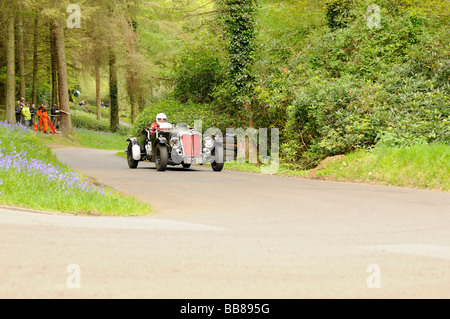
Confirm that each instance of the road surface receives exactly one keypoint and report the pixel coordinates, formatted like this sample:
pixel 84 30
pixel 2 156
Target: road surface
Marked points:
pixel 230 235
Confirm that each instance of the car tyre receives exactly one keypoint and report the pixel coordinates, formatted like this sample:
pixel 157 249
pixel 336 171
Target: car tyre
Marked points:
pixel 132 163
pixel 161 158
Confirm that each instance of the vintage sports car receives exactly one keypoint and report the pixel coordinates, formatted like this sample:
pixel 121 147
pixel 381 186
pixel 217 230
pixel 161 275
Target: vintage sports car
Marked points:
pixel 180 145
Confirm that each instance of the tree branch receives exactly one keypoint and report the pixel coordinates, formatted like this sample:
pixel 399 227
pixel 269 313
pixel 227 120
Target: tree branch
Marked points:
pixel 162 79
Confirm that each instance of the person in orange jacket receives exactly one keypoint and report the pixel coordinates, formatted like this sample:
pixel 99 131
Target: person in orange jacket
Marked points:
pixel 39 114
pixel 43 118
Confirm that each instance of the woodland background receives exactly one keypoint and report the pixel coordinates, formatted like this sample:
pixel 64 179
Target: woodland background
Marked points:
pixel 318 71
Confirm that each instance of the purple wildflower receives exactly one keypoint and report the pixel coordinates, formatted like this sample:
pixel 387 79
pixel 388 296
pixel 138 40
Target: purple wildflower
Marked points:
pixel 10 159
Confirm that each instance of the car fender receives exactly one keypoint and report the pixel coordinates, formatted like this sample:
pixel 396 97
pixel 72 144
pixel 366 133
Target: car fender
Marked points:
pixel 135 148
pixel 133 141
pixel 162 140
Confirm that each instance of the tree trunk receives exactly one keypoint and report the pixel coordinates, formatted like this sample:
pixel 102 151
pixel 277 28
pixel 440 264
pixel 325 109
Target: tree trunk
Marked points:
pixel 35 59
pixel 54 65
pixel 97 92
pixel 113 102
pixel 142 101
pixel 63 84
pixel 20 49
pixel 135 112
pixel 10 77
pixel 249 110
pixel 134 104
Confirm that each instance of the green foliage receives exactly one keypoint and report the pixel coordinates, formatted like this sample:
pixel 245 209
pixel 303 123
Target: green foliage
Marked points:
pixel 339 14
pixel 358 87
pixel 320 74
pixel 81 119
pixel 239 24
pixel 181 113
pixel 342 115
pixel 197 74
pixel 92 109
pixel 326 119
pixel 43 94
pixel 365 52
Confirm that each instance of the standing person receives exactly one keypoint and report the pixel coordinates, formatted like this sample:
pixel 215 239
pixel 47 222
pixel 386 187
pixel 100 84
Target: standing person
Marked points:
pixel 18 111
pixel 39 114
pixel 33 112
pixel 53 113
pixel 26 113
pixel 45 118
pixel 22 104
pixel 58 117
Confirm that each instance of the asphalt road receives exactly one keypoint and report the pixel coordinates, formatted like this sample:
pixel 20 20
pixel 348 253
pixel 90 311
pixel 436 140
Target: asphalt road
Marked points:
pixel 230 235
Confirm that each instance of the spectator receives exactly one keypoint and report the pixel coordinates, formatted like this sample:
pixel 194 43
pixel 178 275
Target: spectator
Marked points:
pixel 26 113
pixel 58 117
pixel 53 114
pixel 33 112
pixel 18 111
pixel 43 119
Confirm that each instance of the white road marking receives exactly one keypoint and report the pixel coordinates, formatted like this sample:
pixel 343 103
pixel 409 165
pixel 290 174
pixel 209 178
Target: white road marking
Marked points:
pixel 441 252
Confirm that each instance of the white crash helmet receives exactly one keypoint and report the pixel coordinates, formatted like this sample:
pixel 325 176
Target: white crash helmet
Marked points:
pixel 161 118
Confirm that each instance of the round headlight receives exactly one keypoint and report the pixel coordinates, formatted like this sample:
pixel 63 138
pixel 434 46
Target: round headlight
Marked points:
pixel 209 142
pixel 174 142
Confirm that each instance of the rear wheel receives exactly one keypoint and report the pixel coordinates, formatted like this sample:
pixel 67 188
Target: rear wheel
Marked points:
pixel 132 163
pixel 161 158
pixel 218 163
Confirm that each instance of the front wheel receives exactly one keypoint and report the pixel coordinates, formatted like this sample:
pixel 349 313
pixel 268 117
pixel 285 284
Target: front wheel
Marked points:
pixel 132 163
pixel 161 158
pixel 218 163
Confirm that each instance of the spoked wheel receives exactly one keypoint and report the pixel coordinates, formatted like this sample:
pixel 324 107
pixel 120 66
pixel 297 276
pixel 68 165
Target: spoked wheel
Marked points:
pixel 161 158
pixel 131 162
pixel 218 163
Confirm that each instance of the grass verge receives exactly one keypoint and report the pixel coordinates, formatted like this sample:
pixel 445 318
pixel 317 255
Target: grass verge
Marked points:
pixel 85 138
pixel 32 177
pixel 418 166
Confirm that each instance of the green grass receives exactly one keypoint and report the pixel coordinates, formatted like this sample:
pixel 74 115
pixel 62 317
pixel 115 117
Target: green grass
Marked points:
pixel 85 120
pixel 32 177
pixel 419 166
pixel 100 140
pixel 85 138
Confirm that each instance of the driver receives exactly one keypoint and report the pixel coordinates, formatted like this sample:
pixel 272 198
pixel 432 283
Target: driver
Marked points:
pixel 161 123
